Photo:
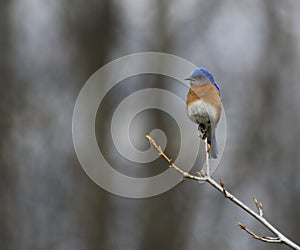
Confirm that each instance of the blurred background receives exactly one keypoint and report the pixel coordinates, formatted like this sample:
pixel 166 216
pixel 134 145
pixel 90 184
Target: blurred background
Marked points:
pixel 50 48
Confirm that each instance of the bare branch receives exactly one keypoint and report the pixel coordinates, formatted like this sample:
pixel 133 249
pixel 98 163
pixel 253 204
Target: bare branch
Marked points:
pixel 280 238
pixel 171 163
pixel 261 238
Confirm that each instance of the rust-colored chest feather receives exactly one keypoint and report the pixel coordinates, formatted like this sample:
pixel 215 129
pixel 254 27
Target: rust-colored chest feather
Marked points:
pixel 208 94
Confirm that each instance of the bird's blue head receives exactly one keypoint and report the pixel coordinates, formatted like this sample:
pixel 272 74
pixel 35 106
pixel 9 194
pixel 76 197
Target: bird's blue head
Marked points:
pixel 201 75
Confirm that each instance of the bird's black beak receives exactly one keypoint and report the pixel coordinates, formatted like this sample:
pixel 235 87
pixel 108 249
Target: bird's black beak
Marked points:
pixel 189 79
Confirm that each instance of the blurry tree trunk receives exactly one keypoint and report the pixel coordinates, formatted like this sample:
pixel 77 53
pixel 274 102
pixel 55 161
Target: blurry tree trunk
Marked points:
pixel 8 105
pixel 92 26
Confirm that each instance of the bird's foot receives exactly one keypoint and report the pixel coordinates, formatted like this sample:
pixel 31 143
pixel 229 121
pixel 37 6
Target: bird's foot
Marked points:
pixel 203 131
pixel 202 135
pixel 201 127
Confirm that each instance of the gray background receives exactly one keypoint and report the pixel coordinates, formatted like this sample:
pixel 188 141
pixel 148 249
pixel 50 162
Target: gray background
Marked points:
pixel 50 48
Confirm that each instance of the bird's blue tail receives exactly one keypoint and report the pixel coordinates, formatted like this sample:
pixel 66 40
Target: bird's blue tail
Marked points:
pixel 213 151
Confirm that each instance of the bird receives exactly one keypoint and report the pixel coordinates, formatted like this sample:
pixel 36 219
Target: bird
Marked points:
pixel 203 106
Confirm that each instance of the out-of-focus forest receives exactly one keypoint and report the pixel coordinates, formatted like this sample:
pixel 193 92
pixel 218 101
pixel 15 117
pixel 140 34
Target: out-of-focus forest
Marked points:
pixel 50 48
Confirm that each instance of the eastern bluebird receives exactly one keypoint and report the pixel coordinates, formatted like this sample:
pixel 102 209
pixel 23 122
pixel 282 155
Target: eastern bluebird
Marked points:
pixel 203 106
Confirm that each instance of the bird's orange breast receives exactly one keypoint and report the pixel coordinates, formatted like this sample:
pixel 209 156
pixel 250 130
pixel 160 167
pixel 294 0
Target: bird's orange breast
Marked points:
pixel 206 92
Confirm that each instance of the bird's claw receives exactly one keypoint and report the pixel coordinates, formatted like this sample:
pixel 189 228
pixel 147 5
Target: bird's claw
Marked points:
pixel 203 135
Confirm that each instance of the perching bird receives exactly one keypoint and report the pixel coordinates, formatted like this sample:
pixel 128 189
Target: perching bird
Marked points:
pixel 204 107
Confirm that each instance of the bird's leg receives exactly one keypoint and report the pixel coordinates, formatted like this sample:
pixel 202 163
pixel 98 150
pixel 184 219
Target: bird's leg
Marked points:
pixel 208 141
pixel 204 135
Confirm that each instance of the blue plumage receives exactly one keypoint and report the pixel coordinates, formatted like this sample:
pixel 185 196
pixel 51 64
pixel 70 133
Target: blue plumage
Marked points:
pixel 202 74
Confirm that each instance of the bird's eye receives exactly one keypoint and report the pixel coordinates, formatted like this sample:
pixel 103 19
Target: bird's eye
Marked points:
pixel 203 78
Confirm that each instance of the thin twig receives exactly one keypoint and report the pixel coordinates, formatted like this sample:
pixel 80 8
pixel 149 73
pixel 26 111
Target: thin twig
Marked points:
pixel 257 237
pixel 207 157
pixel 221 188
pixel 171 163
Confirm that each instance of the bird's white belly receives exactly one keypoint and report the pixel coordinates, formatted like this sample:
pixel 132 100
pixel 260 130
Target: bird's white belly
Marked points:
pixel 201 112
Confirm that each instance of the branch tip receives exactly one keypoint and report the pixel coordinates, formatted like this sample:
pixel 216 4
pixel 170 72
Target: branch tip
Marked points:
pixel 255 200
pixel 259 206
pixel 241 225
pixel 222 184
